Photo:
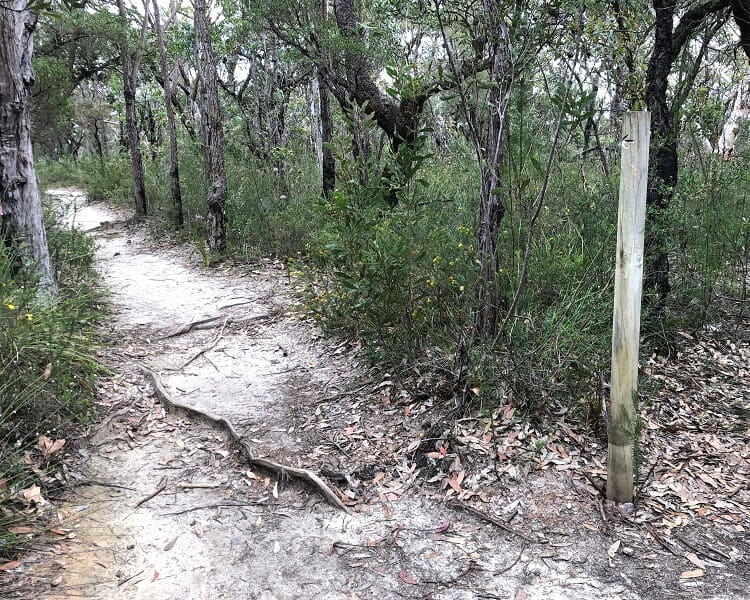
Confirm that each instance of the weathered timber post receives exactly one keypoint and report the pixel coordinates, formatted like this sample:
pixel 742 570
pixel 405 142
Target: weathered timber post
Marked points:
pixel 626 322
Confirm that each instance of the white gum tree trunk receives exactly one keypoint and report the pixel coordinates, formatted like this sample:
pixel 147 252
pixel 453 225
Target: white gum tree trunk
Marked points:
pixel 20 201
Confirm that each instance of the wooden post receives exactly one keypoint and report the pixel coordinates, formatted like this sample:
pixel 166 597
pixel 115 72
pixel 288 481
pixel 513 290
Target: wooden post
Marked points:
pixel 626 322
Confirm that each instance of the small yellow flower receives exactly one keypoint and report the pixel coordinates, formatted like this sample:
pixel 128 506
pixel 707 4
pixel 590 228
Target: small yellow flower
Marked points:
pixel 11 306
pixel 460 245
pixel 29 316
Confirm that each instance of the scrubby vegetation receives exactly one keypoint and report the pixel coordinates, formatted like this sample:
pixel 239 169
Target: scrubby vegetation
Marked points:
pixel 47 371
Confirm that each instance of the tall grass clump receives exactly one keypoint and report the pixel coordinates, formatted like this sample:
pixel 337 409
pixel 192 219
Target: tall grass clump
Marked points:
pixel 47 368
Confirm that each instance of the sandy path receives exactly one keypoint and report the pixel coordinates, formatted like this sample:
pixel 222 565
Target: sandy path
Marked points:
pixel 219 530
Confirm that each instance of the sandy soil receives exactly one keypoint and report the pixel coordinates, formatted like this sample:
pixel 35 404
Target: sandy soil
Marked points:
pixel 220 529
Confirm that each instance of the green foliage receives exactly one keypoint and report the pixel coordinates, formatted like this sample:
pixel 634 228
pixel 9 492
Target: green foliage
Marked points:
pixel 108 180
pixel 711 236
pixel 63 172
pixel 398 278
pixel 46 363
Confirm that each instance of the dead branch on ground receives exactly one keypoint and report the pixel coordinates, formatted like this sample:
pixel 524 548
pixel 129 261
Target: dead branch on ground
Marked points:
pixel 486 517
pixel 159 489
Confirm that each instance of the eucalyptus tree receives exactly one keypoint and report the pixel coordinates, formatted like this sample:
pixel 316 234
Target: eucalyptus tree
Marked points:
pixel 21 223
pixel 212 128
pixel 75 54
pixel 174 162
pixel 674 29
pixel 130 66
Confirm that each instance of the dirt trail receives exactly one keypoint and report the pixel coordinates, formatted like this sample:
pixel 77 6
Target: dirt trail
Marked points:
pixel 218 529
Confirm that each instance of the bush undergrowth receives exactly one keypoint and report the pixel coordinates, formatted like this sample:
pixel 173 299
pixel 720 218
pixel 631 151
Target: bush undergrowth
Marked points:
pixel 47 367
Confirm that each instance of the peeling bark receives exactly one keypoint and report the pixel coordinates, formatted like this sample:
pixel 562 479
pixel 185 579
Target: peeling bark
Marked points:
pixel 21 222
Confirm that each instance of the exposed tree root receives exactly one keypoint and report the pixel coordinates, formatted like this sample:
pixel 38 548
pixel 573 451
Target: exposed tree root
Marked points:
pixel 263 463
pixel 214 322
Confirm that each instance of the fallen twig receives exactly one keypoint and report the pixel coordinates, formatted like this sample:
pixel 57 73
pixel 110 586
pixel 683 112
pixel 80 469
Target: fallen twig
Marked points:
pixel 198 486
pixel 211 346
pixel 489 518
pixel 124 581
pixel 160 488
pixel 263 463
pixel 208 506
pixel 99 483
pixel 511 565
pixel 701 552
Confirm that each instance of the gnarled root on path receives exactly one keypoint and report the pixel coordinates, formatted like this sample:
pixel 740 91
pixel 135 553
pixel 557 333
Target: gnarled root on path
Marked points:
pixel 262 463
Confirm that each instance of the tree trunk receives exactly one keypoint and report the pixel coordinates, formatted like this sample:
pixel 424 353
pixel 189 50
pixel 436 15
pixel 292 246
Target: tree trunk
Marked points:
pixel 663 165
pixel 212 128
pixel 174 164
pixel 131 123
pixel 491 208
pixel 20 202
pixel 740 112
pixel 326 130
pixel 669 40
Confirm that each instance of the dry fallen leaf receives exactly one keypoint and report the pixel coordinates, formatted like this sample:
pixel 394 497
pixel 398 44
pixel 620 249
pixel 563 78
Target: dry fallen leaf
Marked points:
pixel 406 578
pixel 9 566
pixel 21 529
pixel 33 494
pixel 612 550
pixel 693 558
pixel 444 526
pixel 49 447
pixel 692 574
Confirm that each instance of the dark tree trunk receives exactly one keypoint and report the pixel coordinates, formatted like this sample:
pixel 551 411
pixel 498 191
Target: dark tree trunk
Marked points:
pixel 174 163
pixel 98 133
pixel 21 221
pixel 669 41
pixel 741 11
pixel 663 165
pixel 326 129
pixel 491 208
pixel 213 129
pixel 129 73
pixel 326 124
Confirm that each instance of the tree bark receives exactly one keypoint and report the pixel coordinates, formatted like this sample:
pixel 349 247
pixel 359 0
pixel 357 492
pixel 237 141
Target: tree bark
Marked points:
pixel 669 41
pixel 326 125
pixel 21 222
pixel 174 163
pixel 213 129
pixel 129 73
pixel 491 208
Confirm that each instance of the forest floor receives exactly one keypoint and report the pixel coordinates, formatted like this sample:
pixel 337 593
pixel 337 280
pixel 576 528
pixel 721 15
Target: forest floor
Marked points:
pixel 164 505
